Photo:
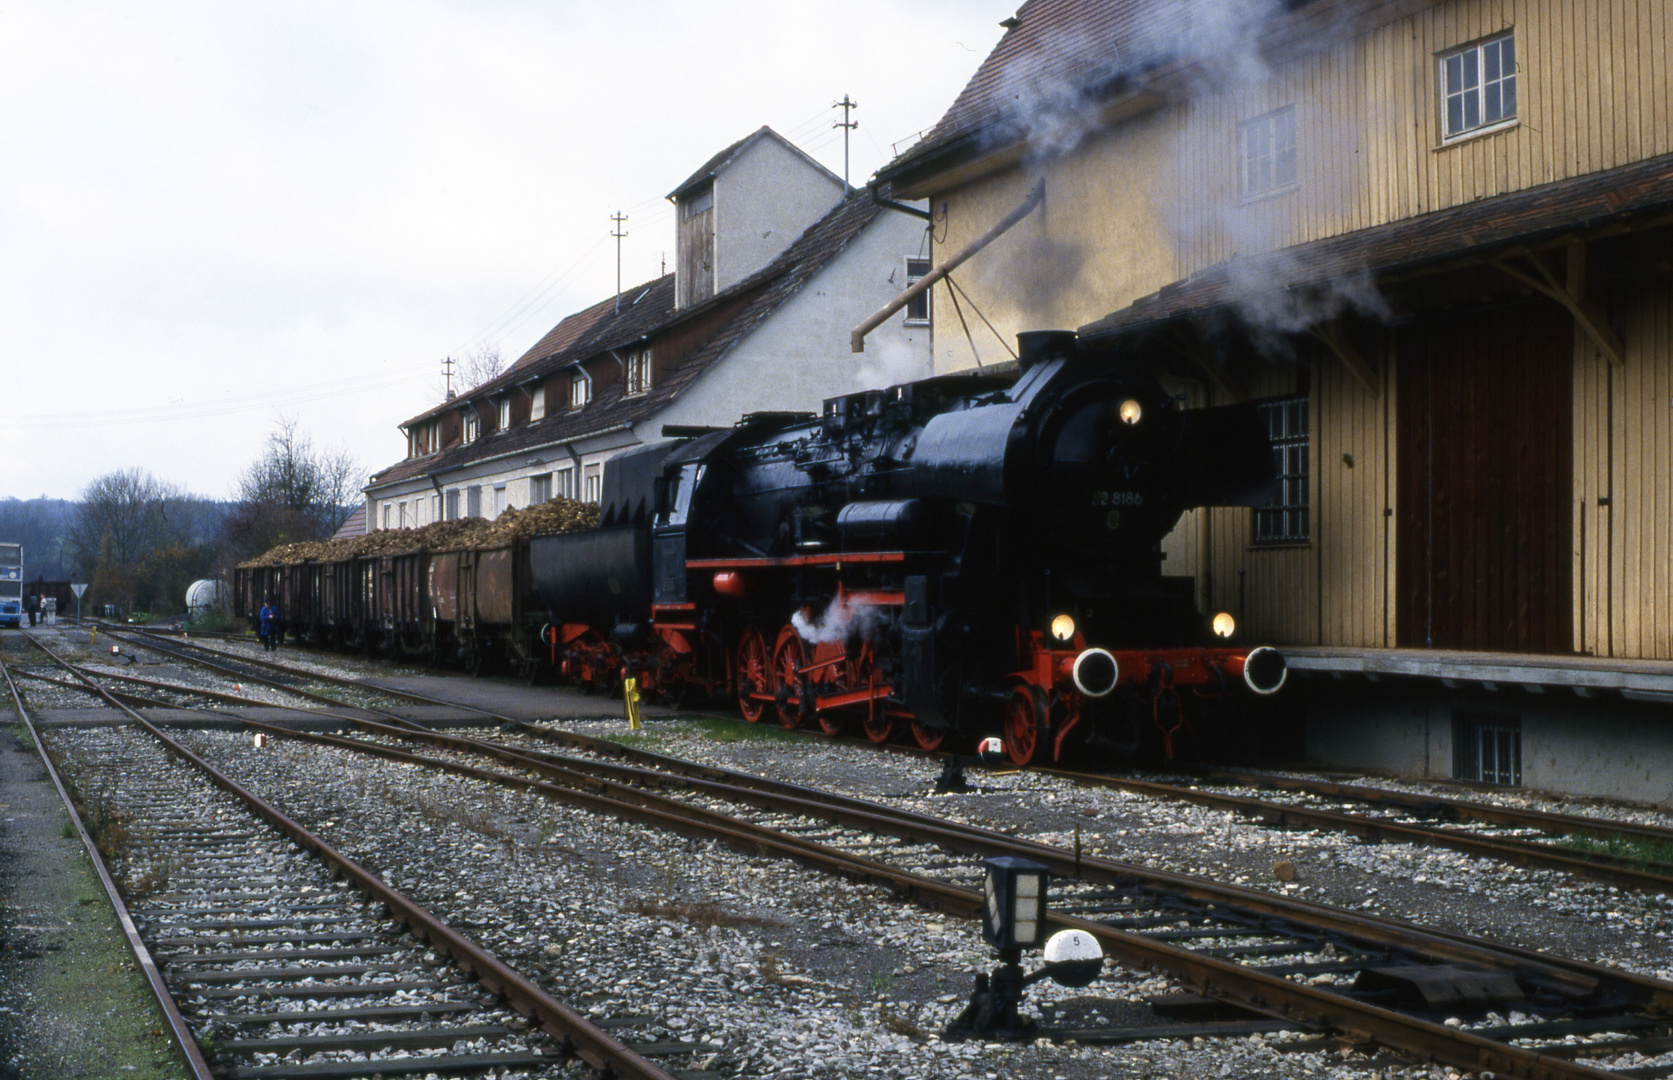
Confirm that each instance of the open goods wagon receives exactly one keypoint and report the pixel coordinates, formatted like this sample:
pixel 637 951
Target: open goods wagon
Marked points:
pixel 455 591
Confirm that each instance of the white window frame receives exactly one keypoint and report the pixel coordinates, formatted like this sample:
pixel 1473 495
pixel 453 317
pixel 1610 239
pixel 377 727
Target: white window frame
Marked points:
pixel 505 412
pixel 1267 160
pixel 565 482
pixel 637 373
pixel 917 310
pixel 537 403
pixel 580 391
pixel 1467 89
pixel 473 426
pixel 593 484
pixel 386 508
pixel 540 489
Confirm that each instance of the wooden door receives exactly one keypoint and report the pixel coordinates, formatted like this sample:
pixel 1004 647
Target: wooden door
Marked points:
pixel 1484 480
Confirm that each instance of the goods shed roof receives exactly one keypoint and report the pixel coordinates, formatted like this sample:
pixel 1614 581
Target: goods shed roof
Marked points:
pixel 1579 207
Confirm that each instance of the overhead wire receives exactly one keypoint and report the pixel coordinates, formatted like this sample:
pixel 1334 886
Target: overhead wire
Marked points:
pixel 170 413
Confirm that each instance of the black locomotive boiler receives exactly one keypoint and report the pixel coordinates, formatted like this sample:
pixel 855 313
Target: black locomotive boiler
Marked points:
pixel 947 556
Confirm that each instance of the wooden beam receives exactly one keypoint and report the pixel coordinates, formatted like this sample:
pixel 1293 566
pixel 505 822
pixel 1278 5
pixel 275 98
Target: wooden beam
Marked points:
pixel 1330 334
pixel 1187 345
pixel 1571 293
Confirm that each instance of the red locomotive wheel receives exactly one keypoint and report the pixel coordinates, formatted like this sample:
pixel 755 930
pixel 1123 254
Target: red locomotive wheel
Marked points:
pixel 755 675
pixel 928 738
pixel 788 660
pixel 879 725
pixel 1027 727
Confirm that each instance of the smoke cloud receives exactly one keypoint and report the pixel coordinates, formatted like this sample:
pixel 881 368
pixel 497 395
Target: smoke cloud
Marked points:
pixel 890 363
pixel 1218 48
pixel 841 620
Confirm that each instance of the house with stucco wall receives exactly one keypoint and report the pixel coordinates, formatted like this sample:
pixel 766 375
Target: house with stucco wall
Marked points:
pixel 774 263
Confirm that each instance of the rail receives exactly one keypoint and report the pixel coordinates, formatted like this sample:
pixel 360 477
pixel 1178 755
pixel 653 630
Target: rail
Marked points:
pixel 592 1045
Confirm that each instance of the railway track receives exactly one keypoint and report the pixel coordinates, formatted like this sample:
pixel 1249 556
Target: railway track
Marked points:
pixel 1360 976
pixel 287 959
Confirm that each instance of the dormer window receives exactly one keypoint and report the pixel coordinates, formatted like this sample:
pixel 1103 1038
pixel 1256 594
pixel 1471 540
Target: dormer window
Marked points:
pixel 638 373
pixel 473 425
pixel 579 390
pixel 505 412
pixel 537 403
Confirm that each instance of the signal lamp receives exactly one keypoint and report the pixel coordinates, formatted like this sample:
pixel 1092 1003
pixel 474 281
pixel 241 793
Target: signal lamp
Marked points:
pixel 1013 919
pixel 1014 907
pixel 1130 412
pixel 1063 627
pixel 1224 624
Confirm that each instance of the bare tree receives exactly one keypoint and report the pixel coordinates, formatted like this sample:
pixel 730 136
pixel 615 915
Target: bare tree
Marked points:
pixel 292 492
pixel 475 367
pixel 125 516
pixel 480 366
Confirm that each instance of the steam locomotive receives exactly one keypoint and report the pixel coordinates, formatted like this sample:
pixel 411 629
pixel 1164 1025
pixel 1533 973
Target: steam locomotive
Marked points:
pixel 944 557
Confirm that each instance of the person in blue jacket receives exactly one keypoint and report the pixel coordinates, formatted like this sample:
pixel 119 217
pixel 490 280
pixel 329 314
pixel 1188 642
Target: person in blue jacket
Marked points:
pixel 269 625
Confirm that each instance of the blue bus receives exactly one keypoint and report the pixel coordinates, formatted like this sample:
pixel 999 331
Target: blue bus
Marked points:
pixel 11 584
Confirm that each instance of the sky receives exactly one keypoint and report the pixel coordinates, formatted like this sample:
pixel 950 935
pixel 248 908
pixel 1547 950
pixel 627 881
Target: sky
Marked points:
pixel 215 217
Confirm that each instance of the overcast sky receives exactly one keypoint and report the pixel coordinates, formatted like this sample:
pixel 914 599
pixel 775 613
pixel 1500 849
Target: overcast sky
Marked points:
pixel 216 215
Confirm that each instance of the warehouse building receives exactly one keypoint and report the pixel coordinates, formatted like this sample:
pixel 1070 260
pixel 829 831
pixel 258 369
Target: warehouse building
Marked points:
pixel 1431 238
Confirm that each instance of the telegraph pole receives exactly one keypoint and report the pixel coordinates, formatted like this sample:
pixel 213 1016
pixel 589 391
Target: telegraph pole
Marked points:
pixel 846 125
pixel 447 370
pixel 620 219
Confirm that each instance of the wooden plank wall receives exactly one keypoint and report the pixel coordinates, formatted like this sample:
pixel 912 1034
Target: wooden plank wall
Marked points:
pixel 1623 419
pixel 1594 92
pixel 1336 588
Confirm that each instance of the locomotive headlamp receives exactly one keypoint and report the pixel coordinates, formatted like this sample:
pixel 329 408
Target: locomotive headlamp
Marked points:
pixel 1224 624
pixel 1130 411
pixel 1063 627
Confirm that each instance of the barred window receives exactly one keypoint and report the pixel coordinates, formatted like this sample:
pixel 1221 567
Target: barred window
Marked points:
pixel 540 489
pixel 1284 521
pixel 1478 86
pixel 1487 749
pixel 566 483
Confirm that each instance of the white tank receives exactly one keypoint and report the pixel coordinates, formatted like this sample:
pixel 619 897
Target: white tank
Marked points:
pixel 205 596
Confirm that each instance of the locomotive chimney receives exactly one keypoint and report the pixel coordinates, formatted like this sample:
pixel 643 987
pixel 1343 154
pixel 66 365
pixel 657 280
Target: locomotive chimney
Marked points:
pixel 1034 346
